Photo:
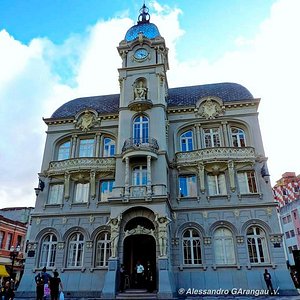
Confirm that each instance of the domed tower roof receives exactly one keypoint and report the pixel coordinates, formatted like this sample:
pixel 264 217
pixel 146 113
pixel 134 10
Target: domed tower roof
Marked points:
pixel 149 30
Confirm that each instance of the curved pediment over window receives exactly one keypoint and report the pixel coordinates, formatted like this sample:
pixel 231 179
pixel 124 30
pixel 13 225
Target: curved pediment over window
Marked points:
pixel 210 107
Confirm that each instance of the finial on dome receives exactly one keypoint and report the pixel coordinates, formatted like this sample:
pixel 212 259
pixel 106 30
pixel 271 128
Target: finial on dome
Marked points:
pixel 144 16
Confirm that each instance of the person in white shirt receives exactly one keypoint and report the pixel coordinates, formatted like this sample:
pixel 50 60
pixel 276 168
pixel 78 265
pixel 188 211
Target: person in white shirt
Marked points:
pixel 139 274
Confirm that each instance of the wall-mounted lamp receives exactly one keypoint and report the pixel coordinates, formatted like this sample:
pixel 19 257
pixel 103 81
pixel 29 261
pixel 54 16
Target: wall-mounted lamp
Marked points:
pixel 40 188
pixel 265 173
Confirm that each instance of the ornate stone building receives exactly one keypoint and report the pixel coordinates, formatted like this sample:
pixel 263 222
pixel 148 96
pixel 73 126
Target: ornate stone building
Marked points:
pixel 174 177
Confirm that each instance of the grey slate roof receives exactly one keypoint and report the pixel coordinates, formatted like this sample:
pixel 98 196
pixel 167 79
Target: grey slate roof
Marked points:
pixel 181 96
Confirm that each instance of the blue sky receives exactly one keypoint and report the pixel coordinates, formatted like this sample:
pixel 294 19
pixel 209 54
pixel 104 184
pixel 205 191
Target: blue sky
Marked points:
pixel 52 51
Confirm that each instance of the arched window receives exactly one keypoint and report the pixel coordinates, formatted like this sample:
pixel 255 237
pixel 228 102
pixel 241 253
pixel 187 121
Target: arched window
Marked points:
pixel 139 175
pixel 191 247
pixel 48 251
pixel 141 130
pixel 64 151
pixel 75 250
pixel 109 147
pixel 186 141
pixel 103 249
pixel 238 137
pixel 224 247
pixel 257 245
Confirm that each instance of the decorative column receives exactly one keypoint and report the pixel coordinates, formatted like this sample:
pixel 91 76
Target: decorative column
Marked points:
pixel 97 152
pixel 67 185
pixel 231 175
pixel 225 133
pixel 73 145
pixel 198 127
pixel 195 142
pixel 149 183
pixel 101 146
pixel 93 183
pixel 201 176
pixel 127 177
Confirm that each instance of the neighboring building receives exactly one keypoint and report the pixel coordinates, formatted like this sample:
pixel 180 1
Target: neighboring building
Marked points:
pixel 174 176
pixel 13 229
pixel 286 193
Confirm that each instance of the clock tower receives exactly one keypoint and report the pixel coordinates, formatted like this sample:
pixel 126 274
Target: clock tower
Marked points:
pixel 142 108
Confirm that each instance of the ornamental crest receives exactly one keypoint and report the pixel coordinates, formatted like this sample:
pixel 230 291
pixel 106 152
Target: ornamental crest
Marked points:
pixel 210 109
pixel 86 121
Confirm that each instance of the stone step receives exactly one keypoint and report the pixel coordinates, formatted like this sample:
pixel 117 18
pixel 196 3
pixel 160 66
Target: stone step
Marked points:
pixel 136 294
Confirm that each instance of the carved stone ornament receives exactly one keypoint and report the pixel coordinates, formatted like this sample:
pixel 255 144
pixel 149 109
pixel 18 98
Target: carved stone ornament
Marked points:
pixel 86 121
pixel 210 109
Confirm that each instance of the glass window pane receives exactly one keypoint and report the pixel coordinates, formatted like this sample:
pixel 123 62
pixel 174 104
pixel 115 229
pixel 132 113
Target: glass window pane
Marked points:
pixel 64 151
pixel 56 194
pixel 86 148
pixel 82 192
pixel 106 189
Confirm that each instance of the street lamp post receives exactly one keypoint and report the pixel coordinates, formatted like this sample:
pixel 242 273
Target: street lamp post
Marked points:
pixel 14 252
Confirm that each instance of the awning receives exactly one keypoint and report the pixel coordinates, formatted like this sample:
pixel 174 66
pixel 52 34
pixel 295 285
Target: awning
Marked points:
pixel 3 272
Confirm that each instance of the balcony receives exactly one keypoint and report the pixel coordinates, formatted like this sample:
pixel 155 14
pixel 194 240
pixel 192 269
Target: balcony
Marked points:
pixel 219 154
pixel 139 192
pixel 140 147
pixel 140 104
pixel 97 164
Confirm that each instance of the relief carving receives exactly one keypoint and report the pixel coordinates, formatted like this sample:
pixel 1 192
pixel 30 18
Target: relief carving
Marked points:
pixel 210 109
pixel 86 121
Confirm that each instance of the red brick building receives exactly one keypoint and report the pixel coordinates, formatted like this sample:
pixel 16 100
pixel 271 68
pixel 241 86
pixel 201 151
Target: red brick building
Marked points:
pixel 12 243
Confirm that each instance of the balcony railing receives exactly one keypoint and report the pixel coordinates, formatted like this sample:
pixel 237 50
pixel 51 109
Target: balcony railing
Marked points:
pixel 148 144
pixel 97 164
pixel 215 154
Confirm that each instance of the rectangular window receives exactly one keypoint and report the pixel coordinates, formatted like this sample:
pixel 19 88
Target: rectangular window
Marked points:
pixel 284 220
pixel 295 247
pixel 187 186
pixel 298 230
pixel 287 234
pixel 56 193
pixel 247 182
pixel 1 239
pixel 216 184
pixel 295 215
pixel 106 189
pixel 292 233
pixel 290 249
pixel 289 219
pixel 8 241
pixel 86 148
pixel 212 137
pixel 81 192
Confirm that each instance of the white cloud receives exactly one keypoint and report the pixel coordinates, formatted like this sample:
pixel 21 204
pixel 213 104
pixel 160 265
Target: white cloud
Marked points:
pixel 36 79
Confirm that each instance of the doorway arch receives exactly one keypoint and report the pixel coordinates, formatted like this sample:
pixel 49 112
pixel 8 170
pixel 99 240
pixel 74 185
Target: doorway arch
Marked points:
pixel 139 248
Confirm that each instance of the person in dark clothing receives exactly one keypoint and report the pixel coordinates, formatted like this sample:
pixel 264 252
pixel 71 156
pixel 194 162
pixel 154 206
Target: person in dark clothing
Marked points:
pixel 55 284
pixel 8 292
pixel 149 278
pixel 267 277
pixel 122 278
pixel 41 279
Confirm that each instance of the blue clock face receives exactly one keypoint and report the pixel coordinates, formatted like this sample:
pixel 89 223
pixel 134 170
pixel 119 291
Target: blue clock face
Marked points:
pixel 141 53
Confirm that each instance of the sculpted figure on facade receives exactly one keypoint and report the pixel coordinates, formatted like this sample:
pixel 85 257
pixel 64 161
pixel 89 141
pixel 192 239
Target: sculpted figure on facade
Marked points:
pixel 86 121
pixel 162 222
pixel 114 234
pixel 140 90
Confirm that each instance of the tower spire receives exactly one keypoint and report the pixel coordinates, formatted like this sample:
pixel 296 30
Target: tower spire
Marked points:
pixel 144 16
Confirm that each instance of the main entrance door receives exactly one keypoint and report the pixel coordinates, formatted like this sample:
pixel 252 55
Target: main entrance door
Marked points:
pixel 139 248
